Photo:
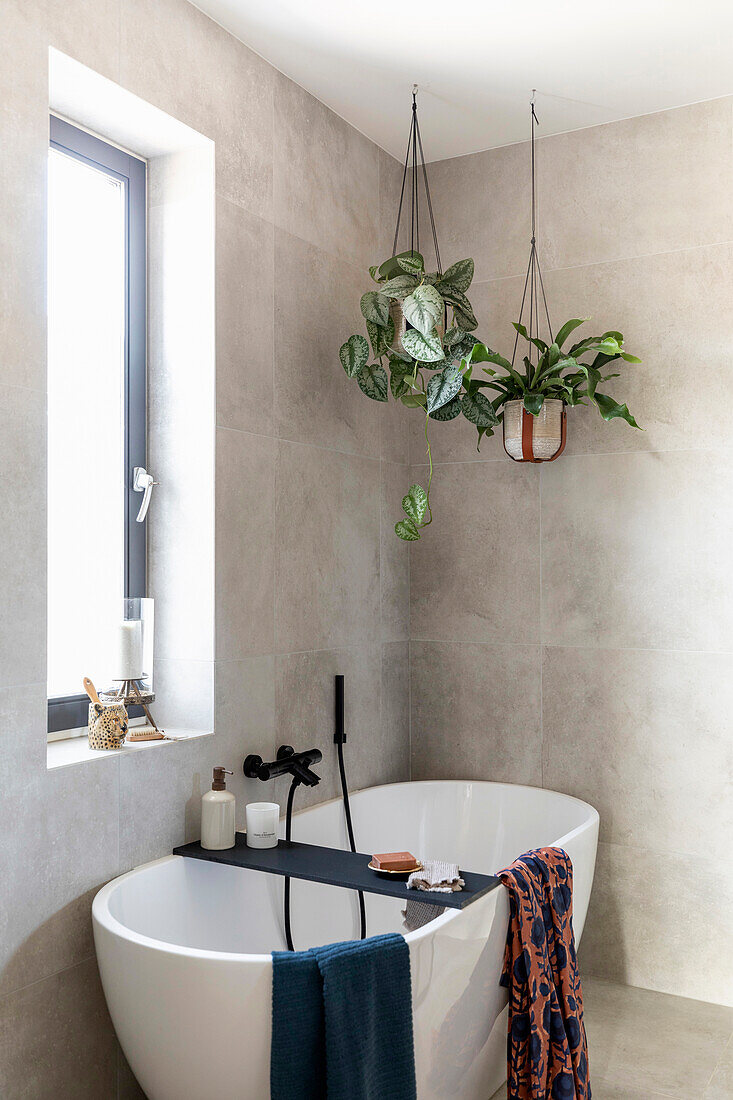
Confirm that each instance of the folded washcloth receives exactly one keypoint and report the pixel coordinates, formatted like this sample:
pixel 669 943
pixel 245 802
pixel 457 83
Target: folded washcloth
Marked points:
pixel 419 913
pixel 443 878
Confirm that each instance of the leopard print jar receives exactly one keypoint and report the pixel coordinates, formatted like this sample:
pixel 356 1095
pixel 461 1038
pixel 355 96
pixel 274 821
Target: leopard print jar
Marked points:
pixel 107 726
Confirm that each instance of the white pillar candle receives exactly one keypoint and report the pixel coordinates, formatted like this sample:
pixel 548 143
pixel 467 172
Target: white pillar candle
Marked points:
pixel 262 821
pixel 130 650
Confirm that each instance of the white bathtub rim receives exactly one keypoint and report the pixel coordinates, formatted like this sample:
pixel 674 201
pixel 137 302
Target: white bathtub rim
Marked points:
pixel 102 916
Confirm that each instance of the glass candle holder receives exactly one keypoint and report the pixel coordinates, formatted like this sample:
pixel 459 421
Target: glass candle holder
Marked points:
pixel 262 822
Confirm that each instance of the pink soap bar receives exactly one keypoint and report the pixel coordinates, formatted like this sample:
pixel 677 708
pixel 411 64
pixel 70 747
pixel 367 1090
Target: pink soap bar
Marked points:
pixel 394 861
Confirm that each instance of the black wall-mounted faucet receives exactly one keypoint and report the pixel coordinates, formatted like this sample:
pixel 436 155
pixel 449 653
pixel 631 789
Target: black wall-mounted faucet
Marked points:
pixel 288 762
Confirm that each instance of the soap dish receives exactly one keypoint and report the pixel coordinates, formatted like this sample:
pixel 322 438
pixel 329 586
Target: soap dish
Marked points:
pixel 395 874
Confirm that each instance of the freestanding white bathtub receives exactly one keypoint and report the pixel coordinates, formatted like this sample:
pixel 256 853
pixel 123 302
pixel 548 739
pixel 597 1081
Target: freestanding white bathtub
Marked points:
pixel 184 945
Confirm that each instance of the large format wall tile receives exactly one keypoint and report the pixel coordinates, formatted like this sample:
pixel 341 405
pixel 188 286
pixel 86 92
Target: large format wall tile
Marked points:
pixel 475 573
pixel 645 736
pixel 394 563
pixel 316 310
pixel 244 319
pixel 245 723
pixel 326 177
pixel 178 59
pixel 654 183
pixel 661 921
pixel 393 762
pixel 60 844
pixel 326 550
pixel 23 542
pixel 244 544
pixel 304 710
pixel 475 712
pixel 56 1039
pixel 90 34
pixel 635 551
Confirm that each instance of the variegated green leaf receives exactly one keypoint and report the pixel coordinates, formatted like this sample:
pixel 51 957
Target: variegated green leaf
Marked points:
pixel 423 308
pixel 478 409
pixel 354 354
pixel 375 307
pixel 443 387
pixel 458 277
pixel 426 348
pixel 415 504
pixel 373 382
pixel 381 338
pixel 392 267
pixel 411 262
pixel 400 286
pixel 448 411
pixel 406 530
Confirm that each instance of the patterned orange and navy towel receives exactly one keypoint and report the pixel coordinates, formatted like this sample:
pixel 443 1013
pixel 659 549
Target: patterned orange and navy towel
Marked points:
pixel 547 1052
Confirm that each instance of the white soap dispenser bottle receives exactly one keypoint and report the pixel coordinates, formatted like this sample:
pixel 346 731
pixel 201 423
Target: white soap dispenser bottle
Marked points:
pixel 217 814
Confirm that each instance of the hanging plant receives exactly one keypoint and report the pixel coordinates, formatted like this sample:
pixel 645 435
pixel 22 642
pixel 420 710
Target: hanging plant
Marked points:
pixel 415 359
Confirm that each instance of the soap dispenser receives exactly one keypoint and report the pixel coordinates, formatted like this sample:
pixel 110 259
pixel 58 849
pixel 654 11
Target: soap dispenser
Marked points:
pixel 217 814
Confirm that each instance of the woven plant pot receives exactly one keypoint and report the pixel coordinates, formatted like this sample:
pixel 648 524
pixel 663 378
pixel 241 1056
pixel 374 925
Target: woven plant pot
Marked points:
pixel 538 438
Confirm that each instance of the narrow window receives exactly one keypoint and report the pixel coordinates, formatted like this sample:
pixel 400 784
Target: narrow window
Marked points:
pixel 96 406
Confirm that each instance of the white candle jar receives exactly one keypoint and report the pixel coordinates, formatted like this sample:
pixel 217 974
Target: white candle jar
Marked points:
pixel 262 823
pixel 133 650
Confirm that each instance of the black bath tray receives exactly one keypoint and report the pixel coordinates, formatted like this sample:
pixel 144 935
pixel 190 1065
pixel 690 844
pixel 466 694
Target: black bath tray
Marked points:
pixel 334 867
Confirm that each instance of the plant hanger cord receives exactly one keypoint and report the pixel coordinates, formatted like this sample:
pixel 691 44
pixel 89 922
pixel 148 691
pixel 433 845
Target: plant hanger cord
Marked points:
pixel 415 150
pixel 533 279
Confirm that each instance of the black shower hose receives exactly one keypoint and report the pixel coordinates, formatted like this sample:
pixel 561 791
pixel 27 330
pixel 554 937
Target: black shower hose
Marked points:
pixel 350 829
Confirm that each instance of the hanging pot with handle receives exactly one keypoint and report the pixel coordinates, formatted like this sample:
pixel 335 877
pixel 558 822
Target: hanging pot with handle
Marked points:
pixel 539 438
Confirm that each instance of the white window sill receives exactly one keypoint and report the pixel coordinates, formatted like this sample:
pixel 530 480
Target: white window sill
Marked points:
pixel 75 750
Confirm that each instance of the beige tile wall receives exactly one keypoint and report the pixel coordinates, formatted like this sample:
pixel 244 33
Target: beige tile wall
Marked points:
pixel 596 591
pixel 307 584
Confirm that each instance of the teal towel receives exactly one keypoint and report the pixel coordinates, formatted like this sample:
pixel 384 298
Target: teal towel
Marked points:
pixel 342 1022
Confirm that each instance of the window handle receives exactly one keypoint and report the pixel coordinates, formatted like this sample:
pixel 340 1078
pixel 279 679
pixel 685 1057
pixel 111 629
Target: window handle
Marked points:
pixel 143 482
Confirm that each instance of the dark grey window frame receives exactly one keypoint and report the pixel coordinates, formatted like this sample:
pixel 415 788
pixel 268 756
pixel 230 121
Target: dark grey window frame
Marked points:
pixel 70 712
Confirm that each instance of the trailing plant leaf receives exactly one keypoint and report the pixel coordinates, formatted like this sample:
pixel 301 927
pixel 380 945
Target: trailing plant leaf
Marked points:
pixel 570 326
pixel 533 402
pixel 414 400
pixel 354 354
pixel 375 307
pixel 423 308
pixel 373 382
pixel 425 347
pixel 405 529
pixel 415 504
pixel 392 266
pixel 399 379
pixel 463 348
pixel 609 409
pixel 443 387
pixel 458 277
pixel 462 310
pixel 478 410
pixel 412 263
pixel 400 286
pixel 381 338
pixel 373 271
pixel 447 412
pixel 454 335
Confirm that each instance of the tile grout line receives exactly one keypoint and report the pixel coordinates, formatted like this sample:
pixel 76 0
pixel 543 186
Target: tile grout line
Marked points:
pixel 577 645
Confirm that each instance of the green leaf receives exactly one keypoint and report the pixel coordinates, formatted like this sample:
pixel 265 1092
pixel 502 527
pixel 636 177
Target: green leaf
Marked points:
pixel 453 336
pixel 609 409
pixel 520 329
pixel 413 400
pixel 444 386
pixel 398 380
pixel 629 358
pixel 411 262
pixel 375 307
pixel 462 310
pixel 373 271
pixel 533 402
pixel 354 354
pixel 400 286
pixel 373 382
pixel 406 530
pixel 425 347
pixel 415 504
pixel 478 409
pixel 381 338
pixel 482 354
pixel 423 308
pixel 449 411
pixel 458 277
pixel 391 267
pixel 567 328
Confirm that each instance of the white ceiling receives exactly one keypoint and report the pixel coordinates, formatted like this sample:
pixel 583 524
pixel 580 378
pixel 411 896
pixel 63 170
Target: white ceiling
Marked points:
pixel 476 61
